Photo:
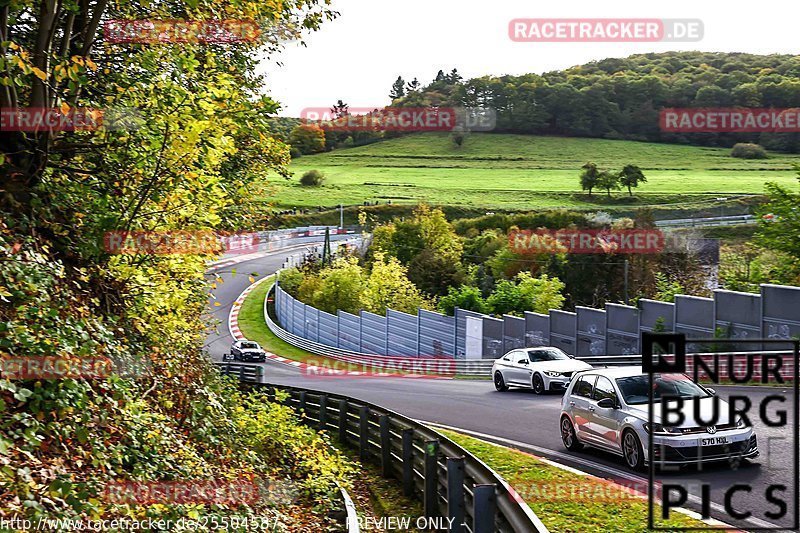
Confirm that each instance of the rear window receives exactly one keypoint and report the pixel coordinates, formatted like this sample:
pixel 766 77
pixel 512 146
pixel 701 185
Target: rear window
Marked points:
pixel 584 386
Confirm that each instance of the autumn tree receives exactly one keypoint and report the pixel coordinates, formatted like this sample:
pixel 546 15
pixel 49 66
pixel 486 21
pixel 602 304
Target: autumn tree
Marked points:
pixel 589 177
pixel 631 176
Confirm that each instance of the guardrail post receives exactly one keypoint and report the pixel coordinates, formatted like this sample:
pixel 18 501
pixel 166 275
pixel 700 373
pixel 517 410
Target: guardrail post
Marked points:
pixel 455 493
pixel 363 434
pixel 343 422
pixel 431 478
pixel 386 446
pixel 408 462
pixel 302 406
pixel 484 508
pixel 323 410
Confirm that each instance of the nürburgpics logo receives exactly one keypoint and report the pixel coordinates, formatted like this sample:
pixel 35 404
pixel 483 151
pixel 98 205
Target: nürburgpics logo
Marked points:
pixel 401 118
pixel 726 427
pixel 549 30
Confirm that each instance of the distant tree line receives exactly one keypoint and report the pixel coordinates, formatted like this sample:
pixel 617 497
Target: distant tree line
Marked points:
pixel 620 98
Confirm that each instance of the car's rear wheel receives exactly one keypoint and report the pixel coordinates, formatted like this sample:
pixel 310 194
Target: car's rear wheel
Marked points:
pixel 499 382
pixel 632 450
pixel 568 436
pixel 537 384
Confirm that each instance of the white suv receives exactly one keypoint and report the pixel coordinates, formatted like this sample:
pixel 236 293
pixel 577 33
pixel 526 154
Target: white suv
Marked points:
pixel 542 369
pixel 608 409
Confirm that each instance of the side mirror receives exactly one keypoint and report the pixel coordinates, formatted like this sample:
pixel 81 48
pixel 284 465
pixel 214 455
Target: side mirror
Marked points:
pixel 713 392
pixel 607 403
pixel 524 362
pixel 571 356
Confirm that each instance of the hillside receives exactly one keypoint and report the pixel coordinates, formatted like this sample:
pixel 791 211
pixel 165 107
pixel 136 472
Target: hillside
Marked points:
pixel 507 171
pixel 621 97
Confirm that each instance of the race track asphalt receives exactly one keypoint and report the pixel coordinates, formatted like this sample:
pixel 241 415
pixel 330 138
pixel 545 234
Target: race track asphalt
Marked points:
pixel 529 422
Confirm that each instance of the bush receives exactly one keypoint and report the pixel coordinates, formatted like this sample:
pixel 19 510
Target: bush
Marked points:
pixel 312 178
pixel 748 151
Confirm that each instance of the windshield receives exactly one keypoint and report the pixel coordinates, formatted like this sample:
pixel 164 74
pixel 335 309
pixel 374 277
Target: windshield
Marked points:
pixel 249 345
pixel 546 355
pixel 635 388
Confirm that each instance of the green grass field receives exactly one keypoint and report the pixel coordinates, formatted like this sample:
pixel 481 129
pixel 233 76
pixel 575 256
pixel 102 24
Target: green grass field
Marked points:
pixel 517 172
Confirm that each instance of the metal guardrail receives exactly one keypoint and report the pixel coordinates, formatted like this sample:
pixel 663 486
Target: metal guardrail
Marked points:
pixel 734 220
pixel 246 373
pixel 451 482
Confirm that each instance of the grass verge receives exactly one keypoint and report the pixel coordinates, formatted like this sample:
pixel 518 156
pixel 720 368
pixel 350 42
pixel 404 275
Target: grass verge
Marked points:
pixel 568 502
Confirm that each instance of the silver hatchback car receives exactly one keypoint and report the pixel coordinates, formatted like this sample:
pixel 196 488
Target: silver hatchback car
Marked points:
pixel 608 409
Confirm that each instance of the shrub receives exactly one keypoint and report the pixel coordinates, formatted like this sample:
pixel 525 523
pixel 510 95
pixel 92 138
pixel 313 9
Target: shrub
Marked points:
pixel 748 151
pixel 312 178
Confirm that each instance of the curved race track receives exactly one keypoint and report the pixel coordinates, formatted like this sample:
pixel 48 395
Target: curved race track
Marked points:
pixel 520 418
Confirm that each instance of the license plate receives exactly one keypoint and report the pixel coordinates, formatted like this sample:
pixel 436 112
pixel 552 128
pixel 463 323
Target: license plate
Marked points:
pixel 714 440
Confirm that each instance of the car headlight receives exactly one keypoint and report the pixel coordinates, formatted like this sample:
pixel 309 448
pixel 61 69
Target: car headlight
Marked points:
pixel 552 374
pixel 658 429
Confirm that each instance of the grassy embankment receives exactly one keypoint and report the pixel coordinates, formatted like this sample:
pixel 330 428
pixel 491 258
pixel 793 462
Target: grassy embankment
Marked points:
pixel 568 502
pixel 521 172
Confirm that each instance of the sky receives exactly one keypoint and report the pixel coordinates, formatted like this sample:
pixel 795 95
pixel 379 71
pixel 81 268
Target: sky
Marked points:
pixel 358 56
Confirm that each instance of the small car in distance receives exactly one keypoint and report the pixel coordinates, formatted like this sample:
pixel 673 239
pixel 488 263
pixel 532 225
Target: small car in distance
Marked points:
pixel 608 408
pixel 245 350
pixel 542 369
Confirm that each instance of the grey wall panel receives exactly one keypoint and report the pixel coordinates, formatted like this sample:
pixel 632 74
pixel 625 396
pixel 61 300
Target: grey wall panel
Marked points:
pixel 298 317
pixel 436 334
pixel 373 333
pixel 312 323
pixel 402 334
pixel 513 332
pixel 563 330
pixel 349 331
pixel 461 330
pixel 781 316
pixel 591 331
pixel 737 315
pixel 652 311
pixel 537 329
pixel 622 329
pixel 328 329
pixel 694 316
pixel 492 337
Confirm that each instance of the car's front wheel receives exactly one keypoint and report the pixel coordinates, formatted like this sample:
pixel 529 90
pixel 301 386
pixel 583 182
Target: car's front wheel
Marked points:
pixel 568 436
pixel 632 450
pixel 537 384
pixel 499 382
